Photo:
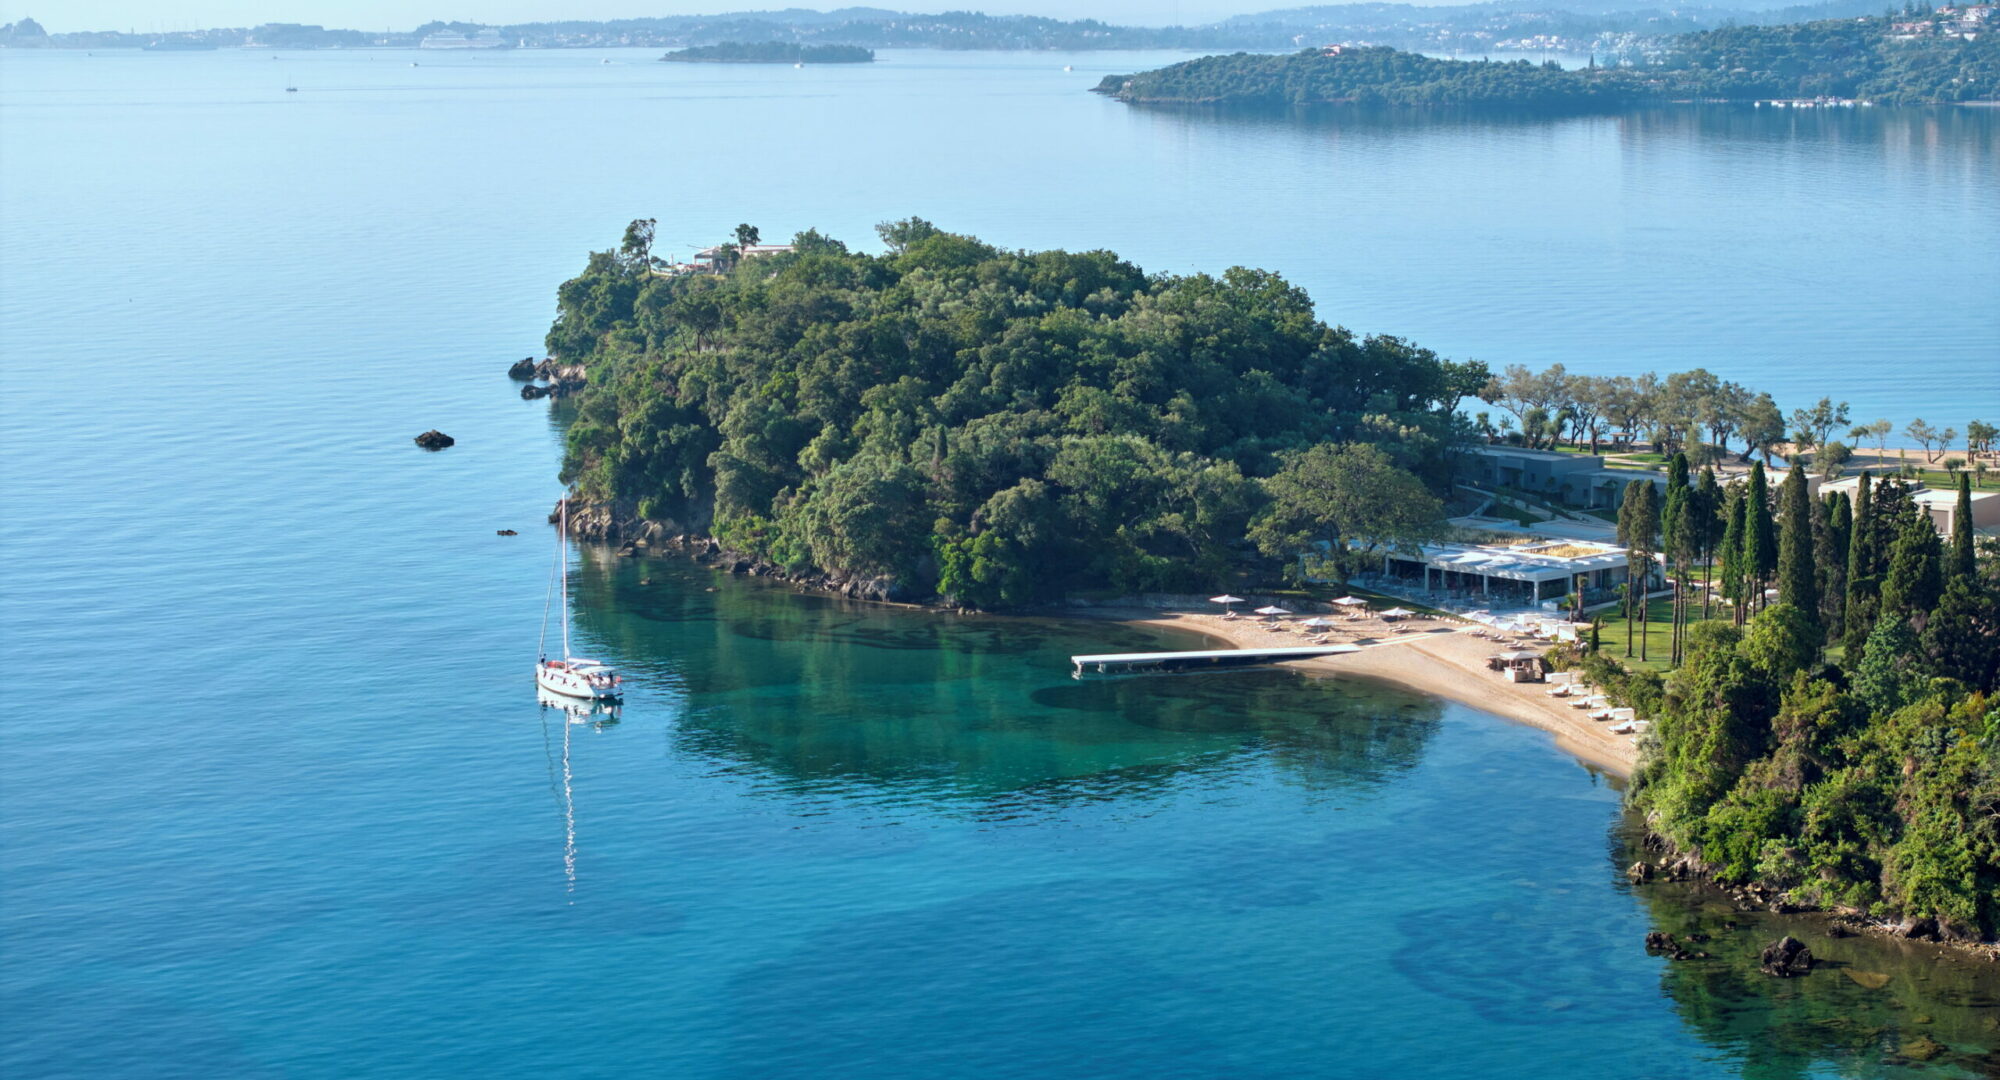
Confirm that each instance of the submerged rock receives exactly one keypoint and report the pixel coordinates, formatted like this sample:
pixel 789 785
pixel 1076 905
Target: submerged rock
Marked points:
pixel 435 440
pixel 1785 958
pixel 1920 1048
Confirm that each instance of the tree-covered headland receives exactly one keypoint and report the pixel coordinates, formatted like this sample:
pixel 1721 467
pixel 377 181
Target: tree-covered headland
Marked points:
pixel 1829 732
pixel 994 427
pixel 1863 58
pixel 770 52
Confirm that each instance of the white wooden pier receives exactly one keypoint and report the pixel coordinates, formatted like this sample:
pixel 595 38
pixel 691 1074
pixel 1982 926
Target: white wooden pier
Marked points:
pixel 1180 661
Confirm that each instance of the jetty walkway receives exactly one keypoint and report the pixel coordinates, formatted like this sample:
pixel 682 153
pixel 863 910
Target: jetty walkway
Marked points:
pixel 1177 661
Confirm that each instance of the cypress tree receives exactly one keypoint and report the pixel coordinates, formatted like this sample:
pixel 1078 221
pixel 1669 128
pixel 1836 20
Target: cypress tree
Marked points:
pixel 1732 553
pixel 1798 580
pixel 1962 638
pixel 1676 541
pixel 1645 543
pixel 1712 516
pixel 1641 541
pixel 1915 578
pixel 1861 588
pixel 1831 529
pixel 1760 539
pixel 1964 564
pixel 1687 526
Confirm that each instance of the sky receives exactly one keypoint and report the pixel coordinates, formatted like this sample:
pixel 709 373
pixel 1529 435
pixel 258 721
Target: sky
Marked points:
pixel 144 16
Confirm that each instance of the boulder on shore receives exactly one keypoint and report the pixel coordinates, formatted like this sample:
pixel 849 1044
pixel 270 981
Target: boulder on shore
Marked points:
pixel 1785 958
pixel 435 440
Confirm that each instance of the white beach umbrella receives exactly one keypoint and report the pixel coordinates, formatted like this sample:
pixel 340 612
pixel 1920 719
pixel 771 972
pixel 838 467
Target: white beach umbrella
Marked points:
pixel 1397 613
pixel 1273 610
pixel 1225 600
pixel 1317 621
pixel 1351 601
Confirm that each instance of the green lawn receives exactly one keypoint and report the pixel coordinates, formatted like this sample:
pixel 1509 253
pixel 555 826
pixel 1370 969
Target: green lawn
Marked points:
pixel 1658 633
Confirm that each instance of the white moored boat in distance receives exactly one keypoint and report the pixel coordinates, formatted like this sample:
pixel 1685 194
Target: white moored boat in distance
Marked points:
pixel 571 676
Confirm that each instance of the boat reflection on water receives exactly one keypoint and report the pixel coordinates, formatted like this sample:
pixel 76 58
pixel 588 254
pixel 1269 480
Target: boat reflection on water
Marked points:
pixel 599 714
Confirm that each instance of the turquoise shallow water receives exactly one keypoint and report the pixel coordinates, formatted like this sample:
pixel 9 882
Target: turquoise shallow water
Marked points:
pixel 309 819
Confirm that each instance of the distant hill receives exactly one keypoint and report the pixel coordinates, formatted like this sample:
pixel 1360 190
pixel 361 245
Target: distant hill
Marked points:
pixel 771 52
pixel 1915 59
pixel 1606 29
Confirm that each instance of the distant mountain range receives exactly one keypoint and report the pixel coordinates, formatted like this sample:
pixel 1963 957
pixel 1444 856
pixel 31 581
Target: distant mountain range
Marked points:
pixel 1602 27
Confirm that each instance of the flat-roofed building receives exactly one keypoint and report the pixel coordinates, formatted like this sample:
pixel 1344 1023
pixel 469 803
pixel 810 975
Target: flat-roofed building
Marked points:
pixel 1525 573
pixel 1580 480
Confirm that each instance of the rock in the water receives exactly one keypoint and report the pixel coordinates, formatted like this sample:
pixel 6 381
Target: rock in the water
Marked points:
pixel 523 369
pixel 1659 942
pixel 505 532
pixel 1873 980
pixel 1640 873
pixel 1785 958
pixel 1921 1048
pixel 435 440
pixel 532 391
pixel 1921 930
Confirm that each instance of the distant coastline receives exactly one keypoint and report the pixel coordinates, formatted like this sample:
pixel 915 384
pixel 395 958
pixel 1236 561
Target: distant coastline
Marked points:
pixel 1940 59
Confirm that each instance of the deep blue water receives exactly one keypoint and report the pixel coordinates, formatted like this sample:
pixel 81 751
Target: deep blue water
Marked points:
pixel 277 798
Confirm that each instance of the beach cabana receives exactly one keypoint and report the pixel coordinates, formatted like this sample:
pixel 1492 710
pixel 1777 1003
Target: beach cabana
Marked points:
pixel 1521 665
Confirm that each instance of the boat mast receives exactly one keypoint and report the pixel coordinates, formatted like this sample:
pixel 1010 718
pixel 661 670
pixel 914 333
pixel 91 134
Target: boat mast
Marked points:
pixel 562 557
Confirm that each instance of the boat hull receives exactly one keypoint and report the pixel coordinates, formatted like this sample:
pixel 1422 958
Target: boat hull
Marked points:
pixel 569 684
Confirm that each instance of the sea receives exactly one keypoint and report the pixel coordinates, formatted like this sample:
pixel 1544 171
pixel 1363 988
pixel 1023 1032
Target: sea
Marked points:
pixel 278 797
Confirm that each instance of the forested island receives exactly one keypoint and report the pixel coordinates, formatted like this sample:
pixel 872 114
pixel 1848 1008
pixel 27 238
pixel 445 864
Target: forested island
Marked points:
pixel 770 52
pixel 1873 59
pixel 988 427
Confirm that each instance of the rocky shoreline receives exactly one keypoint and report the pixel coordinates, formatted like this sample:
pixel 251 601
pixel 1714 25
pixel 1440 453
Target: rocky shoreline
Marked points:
pixel 546 378
pixel 633 536
pixel 1673 865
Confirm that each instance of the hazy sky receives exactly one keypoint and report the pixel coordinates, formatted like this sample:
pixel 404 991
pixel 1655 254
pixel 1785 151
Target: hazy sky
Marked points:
pixel 158 15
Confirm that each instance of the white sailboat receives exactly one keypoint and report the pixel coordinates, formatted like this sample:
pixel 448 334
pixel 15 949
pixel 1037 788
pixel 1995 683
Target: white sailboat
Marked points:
pixel 574 676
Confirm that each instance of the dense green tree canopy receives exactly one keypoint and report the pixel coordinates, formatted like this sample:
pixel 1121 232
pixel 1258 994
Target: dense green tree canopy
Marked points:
pixel 995 426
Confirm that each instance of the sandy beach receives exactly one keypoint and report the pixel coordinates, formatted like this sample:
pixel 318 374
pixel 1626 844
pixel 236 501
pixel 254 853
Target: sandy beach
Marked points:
pixel 1437 656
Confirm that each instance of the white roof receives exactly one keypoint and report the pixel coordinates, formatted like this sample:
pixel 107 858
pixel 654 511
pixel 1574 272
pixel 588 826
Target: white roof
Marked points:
pixel 1526 562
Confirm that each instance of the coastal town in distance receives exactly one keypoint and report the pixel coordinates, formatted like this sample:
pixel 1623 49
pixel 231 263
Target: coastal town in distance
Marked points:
pixel 1077 539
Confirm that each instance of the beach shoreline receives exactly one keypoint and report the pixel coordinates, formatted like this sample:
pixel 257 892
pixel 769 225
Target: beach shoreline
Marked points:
pixel 1441 660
